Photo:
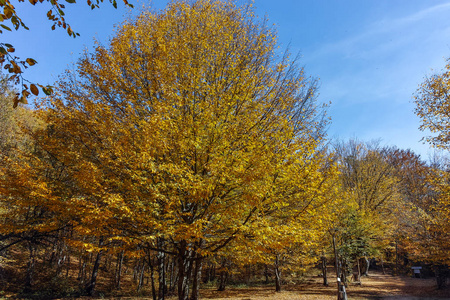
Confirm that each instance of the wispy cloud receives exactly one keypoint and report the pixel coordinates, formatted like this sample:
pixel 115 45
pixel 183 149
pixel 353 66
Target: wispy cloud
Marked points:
pixel 411 25
pixel 387 59
pixel 371 74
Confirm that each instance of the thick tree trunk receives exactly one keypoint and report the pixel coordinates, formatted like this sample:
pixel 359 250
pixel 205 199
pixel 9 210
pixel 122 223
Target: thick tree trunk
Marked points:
pixel 277 275
pixel 364 264
pixel 184 271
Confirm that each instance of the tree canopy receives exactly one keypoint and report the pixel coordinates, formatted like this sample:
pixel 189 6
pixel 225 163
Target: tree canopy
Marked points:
pixel 187 133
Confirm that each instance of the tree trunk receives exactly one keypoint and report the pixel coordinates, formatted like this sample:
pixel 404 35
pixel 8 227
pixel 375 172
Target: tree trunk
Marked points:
pixel 441 273
pixel 342 294
pixel 223 277
pixel 141 276
pixel 108 262
pixel 344 271
pixel 382 266
pixel 207 273
pixel 197 278
pixel 29 278
pixel 397 268
pixel 357 272
pixel 277 275
pixel 60 258
pixel 248 274
pixel 91 286
pixel 53 254
pixel 172 275
pixel 324 271
pixel 184 271
pixel 364 264
pixel 82 272
pixel 136 269
pixel 118 274
pixel 68 265
pixel 266 273
pixel 161 259
pixel 152 277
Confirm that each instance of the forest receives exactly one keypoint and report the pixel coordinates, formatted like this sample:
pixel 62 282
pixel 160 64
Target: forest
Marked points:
pixel 190 151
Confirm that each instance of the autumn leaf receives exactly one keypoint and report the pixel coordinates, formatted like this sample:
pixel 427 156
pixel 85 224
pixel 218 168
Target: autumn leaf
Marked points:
pixel 34 89
pixel 31 61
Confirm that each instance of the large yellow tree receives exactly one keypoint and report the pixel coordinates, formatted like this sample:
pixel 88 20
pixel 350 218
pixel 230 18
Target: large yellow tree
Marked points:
pixel 187 128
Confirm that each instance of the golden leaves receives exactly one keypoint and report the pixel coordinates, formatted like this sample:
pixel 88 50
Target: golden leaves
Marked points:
pixel 183 128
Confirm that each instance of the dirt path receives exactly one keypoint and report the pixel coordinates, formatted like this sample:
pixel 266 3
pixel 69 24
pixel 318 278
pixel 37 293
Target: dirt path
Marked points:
pixel 375 287
pixel 410 298
pixel 387 287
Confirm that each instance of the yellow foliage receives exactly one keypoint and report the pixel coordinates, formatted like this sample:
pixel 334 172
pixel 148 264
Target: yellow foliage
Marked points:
pixel 187 127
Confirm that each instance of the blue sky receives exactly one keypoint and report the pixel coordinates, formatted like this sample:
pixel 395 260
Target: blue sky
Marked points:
pixel 370 55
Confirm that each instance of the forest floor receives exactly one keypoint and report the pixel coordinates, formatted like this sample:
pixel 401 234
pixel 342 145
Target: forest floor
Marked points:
pixel 376 286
